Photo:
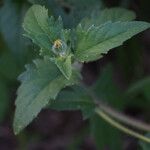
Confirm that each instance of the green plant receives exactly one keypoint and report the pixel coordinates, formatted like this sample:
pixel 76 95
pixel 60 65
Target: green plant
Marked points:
pixel 54 79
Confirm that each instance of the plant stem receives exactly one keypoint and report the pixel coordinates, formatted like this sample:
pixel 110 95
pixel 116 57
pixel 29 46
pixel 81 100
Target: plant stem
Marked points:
pixel 107 113
pixel 119 126
pixel 117 115
pixel 125 119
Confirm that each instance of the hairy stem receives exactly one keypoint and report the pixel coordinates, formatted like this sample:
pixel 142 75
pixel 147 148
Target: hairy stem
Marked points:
pixel 119 126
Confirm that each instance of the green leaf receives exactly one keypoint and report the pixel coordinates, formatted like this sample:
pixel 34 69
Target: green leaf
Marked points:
pixel 144 145
pixel 81 9
pixel 4 99
pixel 11 15
pixel 129 68
pixel 105 136
pixel 112 14
pixel 76 9
pixel 93 42
pixel 74 99
pixel 36 26
pixel 107 90
pixel 141 86
pixel 40 83
pixel 8 62
pixel 64 65
pixel 116 14
pixel 42 29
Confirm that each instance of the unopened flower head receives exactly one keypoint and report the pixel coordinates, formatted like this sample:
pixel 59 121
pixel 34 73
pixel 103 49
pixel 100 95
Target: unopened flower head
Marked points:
pixel 59 47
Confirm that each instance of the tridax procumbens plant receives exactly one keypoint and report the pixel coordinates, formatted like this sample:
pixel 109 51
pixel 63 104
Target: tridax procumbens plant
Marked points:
pixel 62 52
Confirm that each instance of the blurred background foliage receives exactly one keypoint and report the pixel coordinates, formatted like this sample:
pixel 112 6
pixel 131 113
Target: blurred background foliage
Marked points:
pixel 123 81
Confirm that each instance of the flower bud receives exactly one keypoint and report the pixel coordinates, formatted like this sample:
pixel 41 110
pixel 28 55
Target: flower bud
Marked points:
pixel 59 48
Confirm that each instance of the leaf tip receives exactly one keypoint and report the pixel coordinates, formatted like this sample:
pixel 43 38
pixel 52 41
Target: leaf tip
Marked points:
pixel 16 128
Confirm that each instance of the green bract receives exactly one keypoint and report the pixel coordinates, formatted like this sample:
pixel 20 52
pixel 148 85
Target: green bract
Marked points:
pixel 60 48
